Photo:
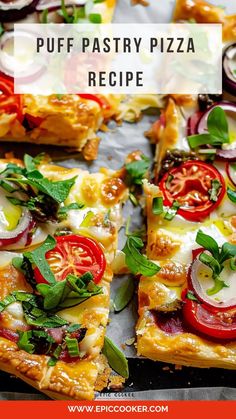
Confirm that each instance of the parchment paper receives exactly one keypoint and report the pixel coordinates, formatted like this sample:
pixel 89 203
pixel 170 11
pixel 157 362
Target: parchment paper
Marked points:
pixel 114 147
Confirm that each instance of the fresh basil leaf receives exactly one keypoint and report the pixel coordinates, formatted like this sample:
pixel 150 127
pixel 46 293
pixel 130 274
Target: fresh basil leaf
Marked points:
pixel 37 258
pixel 124 294
pixel 29 163
pixel 233 264
pixel 136 262
pixel 218 285
pixel 157 205
pixel 63 211
pixel 211 262
pixel 59 190
pixel 172 211
pixel 24 342
pixel 208 243
pixel 116 358
pixel 215 189
pixel 54 295
pixel 228 251
pixel 9 299
pixel 201 139
pixel 137 169
pixel 217 124
pixel 231 195
pixel 72 346
pixel 43 289
pixel 190 295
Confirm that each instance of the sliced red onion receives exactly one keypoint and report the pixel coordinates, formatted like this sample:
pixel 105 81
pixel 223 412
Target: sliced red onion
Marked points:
pixel 226 106
pixel 8 64
pixel 16 9
pixel 201 294
pixel 193 123
pixel 231 172
pixel 229 77
pixel 226 155
pixel 20 232
pixel 56 4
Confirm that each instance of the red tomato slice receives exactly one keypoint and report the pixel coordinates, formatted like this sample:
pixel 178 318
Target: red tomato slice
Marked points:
pixel 210 322
pixel 9 102
pixel 75 255
pixel 189 185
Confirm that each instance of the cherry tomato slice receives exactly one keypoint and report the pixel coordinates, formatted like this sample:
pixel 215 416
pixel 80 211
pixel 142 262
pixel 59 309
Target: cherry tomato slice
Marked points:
pixel 189 184
pixel 10 102
pixel 210 322
pixel 74 254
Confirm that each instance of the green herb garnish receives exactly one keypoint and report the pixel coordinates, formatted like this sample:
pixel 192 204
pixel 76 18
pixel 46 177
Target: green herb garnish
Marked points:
pixel 172 211
pixel 157 205
pixel 218 130
pixel 37 258
pixel 136 262
pixel 231 195
pixel 124 294
pixel 215 189
pixel 215 261
pixel 116 358
pixel 190 295
pixel 137 169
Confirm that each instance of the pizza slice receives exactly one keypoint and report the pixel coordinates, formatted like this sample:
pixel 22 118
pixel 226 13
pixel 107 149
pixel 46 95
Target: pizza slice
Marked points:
pixel 54 292
pixel 187 309
pixel 62 120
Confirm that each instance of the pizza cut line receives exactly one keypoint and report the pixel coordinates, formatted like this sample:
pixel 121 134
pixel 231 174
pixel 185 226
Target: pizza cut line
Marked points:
pixel 55 273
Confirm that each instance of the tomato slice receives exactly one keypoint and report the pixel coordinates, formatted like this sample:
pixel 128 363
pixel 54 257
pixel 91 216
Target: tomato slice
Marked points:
pixel 210 322
pixel 9 102
pixel 74 254
pixel 189 184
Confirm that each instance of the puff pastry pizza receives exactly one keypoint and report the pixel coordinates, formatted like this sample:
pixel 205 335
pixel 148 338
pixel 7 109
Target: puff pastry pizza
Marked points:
pixel 61 120
pixel 54 293
pixel 187 309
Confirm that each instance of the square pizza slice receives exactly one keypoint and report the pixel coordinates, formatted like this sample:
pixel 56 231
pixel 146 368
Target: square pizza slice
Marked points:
pixel 54 288
pixel 187 309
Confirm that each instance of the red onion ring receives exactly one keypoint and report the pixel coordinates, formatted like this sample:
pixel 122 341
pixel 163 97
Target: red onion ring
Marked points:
pixel 22 230
pixel 34 72
pixel 56 4
pixel 231 175
pixel 16 10
pixel 200 293
pixel 229 79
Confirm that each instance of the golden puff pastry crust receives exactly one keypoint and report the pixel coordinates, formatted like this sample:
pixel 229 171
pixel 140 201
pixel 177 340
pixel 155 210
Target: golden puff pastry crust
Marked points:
pixel 182 348
pixel 63 381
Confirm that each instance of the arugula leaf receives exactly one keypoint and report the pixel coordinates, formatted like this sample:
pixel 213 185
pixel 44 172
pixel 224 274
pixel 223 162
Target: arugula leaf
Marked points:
pixel 231 195
pixel 137 169
pixel 214 191
pixel 63 211
pixel 53 295
pixel 37 258
pixel 124 294
pixel 157 205
pixel 136 262
pixel 115 357
pixel 73 327
pixel 208 243
pixel 218 131
pixel 228 251
pixel 95 17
